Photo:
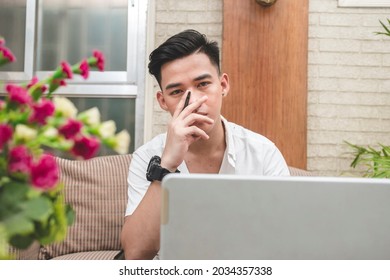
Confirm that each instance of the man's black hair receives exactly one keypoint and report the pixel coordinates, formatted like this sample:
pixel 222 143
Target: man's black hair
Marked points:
pixel 181 45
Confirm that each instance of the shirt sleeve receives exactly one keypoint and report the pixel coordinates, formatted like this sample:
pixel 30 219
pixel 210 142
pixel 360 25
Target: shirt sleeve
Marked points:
pixel 275 164
pixel 136 180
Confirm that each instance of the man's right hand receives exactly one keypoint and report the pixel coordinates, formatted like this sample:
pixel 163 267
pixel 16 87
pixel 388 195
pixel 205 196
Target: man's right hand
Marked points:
pixel 182 132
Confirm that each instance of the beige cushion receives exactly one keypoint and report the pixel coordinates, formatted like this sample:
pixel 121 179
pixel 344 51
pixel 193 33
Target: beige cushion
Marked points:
pixel 95 255
pixel 97 191
pixel 31 253
pixel 299 172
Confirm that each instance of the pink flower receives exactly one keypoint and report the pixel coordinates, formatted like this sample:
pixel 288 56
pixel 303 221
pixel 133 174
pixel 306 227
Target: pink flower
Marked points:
pixel 43 88
pixel 6 53
pixel 41 111
pixel 18 94
pixel 99 59
pixel 67 70
pixel 45 174
pixel 2 41
pixel 84 69
pixel 5 134
pixel 85 147
pixel 2 104
pixel 35 80
pixel 19 160
pixel 70 129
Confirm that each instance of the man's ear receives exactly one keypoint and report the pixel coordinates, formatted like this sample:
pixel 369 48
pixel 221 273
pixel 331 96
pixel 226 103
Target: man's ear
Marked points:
pixel 225 84
pixel 161 100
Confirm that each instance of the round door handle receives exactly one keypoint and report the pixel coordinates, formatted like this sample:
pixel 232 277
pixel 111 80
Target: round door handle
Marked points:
pixel 266 3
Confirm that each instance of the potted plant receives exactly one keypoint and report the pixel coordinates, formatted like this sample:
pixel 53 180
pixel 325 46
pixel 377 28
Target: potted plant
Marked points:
pixel 34 123
pixel 374 161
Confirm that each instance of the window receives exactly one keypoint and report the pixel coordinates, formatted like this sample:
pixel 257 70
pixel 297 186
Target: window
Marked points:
pixel 14 17
pixel 42 33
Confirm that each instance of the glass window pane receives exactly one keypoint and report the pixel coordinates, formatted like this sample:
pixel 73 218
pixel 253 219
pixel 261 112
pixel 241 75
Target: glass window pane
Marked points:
pixel 71 30
pixel 12 28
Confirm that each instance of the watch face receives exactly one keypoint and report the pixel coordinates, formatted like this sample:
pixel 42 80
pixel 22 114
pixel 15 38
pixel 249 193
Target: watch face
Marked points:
pixel 153 166
pixel 153 161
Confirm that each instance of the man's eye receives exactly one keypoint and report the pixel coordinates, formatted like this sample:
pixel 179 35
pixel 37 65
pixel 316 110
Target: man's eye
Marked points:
pixel 175 92
pixel 203 84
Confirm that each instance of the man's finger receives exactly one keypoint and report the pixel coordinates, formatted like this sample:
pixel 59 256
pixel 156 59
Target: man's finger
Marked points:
pixel 180 106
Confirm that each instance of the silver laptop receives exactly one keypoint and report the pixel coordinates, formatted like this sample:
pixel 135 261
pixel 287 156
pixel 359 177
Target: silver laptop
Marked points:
pixel 252 217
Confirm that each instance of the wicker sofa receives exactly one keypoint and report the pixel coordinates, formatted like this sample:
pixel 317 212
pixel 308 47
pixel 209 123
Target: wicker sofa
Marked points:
pixel 97 191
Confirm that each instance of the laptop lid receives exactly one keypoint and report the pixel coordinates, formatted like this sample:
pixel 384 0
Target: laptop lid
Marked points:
pixel 252 217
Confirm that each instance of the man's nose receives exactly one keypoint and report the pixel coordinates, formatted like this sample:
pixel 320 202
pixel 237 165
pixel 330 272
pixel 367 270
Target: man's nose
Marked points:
pixel 195 95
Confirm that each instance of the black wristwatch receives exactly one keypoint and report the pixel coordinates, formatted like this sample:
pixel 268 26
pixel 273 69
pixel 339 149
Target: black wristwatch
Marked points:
pixel 155 172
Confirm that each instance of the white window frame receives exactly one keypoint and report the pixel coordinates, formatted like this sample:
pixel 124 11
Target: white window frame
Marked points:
pixel 28 64
pixel 364 3
pixel 112 83
pixel 107 84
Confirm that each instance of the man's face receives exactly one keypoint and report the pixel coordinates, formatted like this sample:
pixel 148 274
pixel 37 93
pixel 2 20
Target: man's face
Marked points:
pixel 196 74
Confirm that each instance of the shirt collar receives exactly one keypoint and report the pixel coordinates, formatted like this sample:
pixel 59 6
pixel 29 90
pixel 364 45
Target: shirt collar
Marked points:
pixel 230 148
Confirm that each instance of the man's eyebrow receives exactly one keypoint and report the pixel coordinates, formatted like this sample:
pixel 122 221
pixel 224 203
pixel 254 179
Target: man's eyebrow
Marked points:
pixel 173 85
pixel 204 76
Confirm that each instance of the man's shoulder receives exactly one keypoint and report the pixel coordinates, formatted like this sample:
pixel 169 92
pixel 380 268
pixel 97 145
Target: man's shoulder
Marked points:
pixel 239 132
pixel 153 146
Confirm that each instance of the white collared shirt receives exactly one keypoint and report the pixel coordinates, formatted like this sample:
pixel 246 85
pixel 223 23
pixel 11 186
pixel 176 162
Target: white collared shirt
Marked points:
pixel 247 153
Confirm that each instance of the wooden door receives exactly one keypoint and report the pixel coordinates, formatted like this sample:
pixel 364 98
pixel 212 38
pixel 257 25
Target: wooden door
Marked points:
pixel 265 55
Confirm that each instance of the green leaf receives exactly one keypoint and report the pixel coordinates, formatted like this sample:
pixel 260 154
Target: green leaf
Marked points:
pixel 18 224
pixel 14 190
pixel 21 241
pixel 12 194
pixel 386 150
pixel 376 162
pixel 4 180
pixel 62 216
pixel 387 33
pixel 385 27
pixel 38 209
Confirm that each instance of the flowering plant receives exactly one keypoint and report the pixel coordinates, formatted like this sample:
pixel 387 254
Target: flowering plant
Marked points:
pixel 33 122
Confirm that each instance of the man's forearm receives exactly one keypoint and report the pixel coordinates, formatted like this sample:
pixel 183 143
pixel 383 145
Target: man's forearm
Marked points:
pixel 140 235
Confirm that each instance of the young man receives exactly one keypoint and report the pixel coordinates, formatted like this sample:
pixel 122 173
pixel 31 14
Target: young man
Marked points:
pixel 198 138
